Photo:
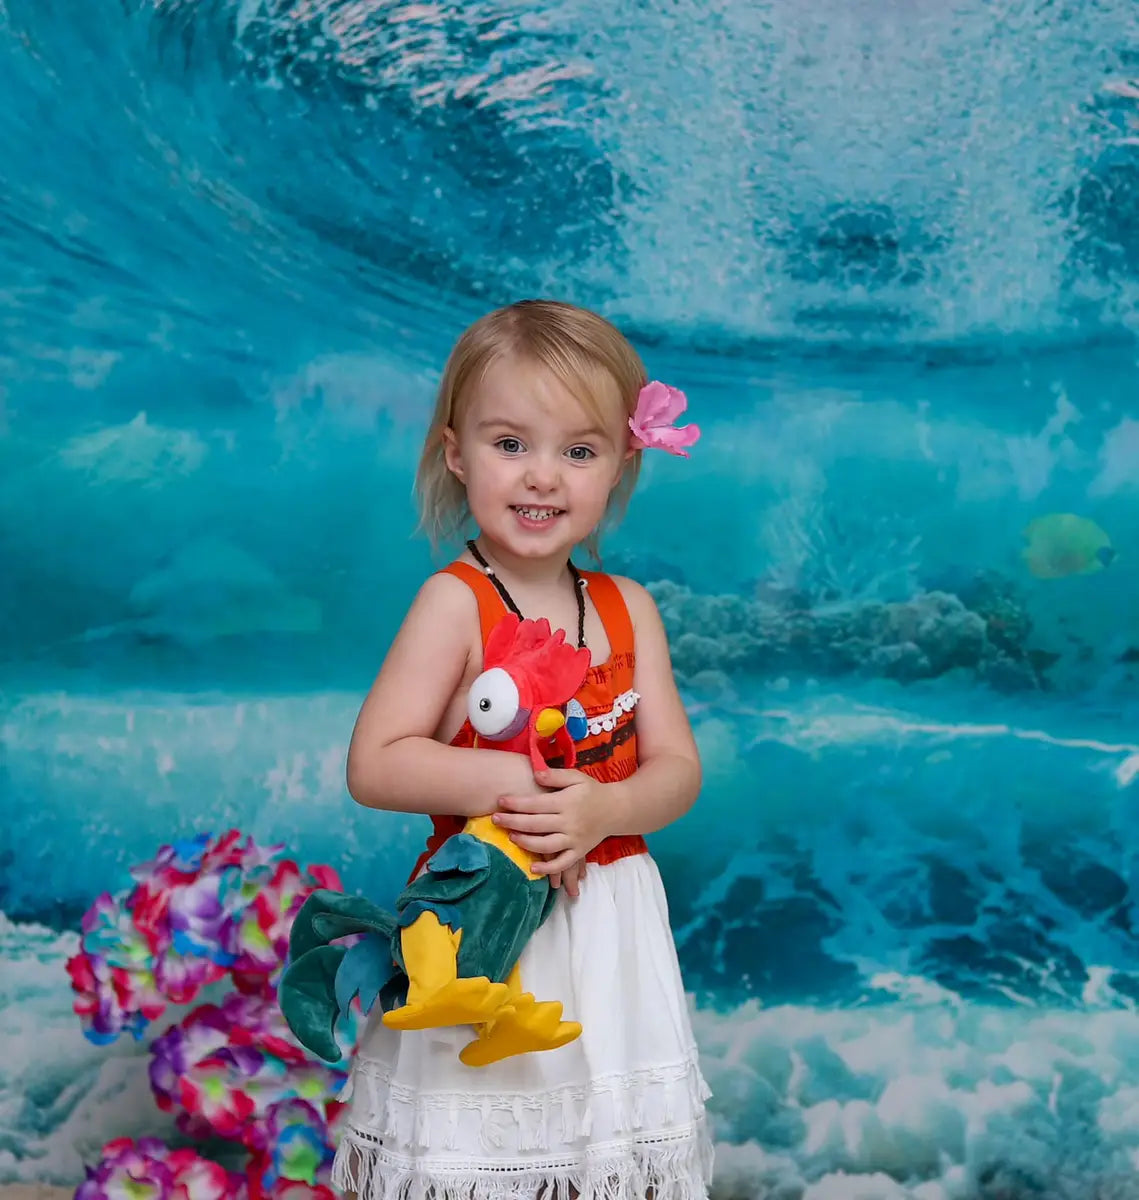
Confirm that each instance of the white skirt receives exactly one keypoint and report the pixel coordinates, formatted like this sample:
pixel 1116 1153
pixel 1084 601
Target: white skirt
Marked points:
pixel 617 1114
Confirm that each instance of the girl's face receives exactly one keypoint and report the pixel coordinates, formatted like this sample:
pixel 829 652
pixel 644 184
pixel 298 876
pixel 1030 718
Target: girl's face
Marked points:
pixel 538 469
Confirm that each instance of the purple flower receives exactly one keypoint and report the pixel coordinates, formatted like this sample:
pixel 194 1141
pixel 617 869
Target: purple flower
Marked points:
pixel 199 920
pixel 149 1170
pixel 299 1145
pixel 180 979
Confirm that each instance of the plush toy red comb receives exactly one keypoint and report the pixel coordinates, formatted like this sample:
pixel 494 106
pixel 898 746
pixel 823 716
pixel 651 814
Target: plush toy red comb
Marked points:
pixel 529 673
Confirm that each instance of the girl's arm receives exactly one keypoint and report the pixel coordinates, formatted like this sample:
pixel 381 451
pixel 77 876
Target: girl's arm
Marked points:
pixel 394 761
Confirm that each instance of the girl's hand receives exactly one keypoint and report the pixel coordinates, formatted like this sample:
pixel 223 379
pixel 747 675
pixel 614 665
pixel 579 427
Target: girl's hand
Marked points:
pixel 559 826
pixel 570 879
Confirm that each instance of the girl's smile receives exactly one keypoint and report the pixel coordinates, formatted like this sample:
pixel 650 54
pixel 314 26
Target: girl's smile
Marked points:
pixel 537 518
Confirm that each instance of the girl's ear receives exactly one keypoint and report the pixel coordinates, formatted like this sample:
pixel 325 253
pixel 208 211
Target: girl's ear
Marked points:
pixel 451 455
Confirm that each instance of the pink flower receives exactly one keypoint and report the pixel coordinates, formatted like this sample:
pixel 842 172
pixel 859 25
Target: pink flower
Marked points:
pixel 324 876
pixel 658 406
pixel 149 1170
pixel 181 979
pixel 110 999
pixel 229 852
pixel 211 1096
pixel 199 1179
pixel 261 934
pixel 288 1189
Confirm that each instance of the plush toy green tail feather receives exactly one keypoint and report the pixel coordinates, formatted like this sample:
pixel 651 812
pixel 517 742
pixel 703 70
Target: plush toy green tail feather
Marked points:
pixel 490 908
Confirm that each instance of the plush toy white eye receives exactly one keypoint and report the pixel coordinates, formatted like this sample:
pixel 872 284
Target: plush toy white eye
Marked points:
pixel 493 706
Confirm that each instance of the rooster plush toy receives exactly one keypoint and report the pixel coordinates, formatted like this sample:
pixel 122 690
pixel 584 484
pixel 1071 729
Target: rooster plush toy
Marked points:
pixel 449 953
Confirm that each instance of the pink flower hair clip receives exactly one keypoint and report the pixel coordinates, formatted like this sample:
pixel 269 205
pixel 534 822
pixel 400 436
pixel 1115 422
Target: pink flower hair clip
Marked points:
pixel 658 406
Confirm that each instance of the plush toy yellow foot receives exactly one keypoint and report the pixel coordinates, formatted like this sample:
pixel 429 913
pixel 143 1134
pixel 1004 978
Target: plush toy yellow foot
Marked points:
pixel 435 995
pixel 521 1025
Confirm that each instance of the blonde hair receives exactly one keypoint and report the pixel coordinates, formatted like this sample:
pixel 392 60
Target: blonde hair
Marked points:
pixel 590 357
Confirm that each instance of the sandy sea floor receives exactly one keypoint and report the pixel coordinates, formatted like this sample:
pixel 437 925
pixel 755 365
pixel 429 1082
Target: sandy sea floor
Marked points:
pixel 26 1191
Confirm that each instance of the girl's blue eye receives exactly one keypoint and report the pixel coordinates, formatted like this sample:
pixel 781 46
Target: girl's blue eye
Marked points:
pixel 580 453
pixel 509 445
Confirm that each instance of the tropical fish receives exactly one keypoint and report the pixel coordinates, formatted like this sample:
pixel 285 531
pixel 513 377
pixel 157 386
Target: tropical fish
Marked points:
pixel 1063 544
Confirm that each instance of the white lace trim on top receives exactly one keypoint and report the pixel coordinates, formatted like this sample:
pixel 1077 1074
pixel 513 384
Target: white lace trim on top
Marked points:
pixel 607 722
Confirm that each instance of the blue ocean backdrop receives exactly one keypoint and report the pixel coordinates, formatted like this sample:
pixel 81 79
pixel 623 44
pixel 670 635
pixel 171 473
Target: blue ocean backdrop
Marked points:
pixel 890 251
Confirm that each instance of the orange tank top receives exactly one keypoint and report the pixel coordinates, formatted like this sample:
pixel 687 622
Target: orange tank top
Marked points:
pixel 609 751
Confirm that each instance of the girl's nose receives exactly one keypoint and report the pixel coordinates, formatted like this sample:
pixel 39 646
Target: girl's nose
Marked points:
pixel 542 473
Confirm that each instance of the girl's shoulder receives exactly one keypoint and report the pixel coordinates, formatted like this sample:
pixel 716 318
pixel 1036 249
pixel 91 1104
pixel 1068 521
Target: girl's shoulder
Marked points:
pixel 445 593
pixel 638 599
pixel 443 608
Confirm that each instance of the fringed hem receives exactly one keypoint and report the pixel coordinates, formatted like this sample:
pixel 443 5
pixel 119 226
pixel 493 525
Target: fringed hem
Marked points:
pixel 673 1166
pixel 513 1124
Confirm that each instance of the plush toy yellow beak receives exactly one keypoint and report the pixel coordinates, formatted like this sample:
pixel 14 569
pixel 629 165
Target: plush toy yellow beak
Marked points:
pixel 549 721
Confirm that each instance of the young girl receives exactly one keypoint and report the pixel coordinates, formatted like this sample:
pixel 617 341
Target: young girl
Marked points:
pixel 542 415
